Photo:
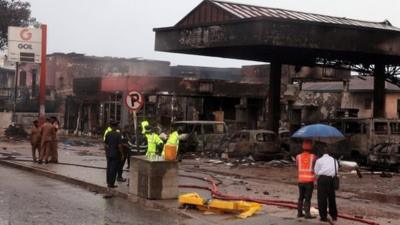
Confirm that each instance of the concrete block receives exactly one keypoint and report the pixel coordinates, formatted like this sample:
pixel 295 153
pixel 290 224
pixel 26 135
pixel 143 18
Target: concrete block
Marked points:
pixel 153 179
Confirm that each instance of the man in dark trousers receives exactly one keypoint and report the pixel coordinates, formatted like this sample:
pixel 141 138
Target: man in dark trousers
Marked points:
pixel 113 146
pixel 305 164
pixel 326 168
pixel 125 154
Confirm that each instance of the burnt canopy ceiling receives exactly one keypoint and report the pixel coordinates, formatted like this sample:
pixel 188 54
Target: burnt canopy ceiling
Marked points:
pixel 231 30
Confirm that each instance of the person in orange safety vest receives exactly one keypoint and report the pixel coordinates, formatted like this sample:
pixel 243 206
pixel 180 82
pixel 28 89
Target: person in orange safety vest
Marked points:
pixel 305 165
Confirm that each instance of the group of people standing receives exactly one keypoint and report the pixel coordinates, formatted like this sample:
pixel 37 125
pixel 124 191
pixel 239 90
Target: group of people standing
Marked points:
pixel 324 170
pixel 117 152
pixel 155 145
pixel 44 141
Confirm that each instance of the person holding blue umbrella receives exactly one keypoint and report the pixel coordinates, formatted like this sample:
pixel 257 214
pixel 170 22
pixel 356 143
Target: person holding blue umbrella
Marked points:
pixel 326 167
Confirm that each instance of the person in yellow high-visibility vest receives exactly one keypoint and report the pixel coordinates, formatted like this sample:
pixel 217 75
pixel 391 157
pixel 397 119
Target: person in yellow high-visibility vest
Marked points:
pixel 173 139
pixel 153 140
pixel 108 130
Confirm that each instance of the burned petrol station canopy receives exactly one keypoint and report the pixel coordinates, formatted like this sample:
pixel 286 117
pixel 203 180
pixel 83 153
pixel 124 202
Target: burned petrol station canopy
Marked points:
pixel 231 30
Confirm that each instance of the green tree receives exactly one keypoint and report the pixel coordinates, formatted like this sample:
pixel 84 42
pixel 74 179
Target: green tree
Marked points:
pixel 13 13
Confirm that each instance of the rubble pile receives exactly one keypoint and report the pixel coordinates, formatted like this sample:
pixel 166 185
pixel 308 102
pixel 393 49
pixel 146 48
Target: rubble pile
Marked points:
pixel 16 132
pixel 249 162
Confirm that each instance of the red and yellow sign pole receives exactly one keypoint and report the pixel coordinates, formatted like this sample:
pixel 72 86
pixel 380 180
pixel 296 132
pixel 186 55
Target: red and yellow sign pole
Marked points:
pixel 43 71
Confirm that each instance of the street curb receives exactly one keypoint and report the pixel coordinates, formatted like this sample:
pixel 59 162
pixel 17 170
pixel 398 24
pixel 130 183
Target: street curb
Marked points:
pixel 97 188
pixel 89 186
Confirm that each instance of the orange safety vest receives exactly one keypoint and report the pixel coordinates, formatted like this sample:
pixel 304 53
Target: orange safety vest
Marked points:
pixel 305 166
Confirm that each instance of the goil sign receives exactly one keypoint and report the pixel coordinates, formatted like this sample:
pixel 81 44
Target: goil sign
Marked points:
pixel 24 44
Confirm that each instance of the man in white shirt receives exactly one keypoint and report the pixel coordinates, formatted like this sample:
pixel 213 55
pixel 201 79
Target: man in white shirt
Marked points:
pixel 326 168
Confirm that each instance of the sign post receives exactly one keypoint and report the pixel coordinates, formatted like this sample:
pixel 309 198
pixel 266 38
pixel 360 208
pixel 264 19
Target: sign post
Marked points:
pixel 29 45
pixel 43 68
pixel 135 126
pixel 134 101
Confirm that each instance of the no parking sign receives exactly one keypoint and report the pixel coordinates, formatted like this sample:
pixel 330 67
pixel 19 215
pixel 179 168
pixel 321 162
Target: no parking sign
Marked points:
pixel 134 101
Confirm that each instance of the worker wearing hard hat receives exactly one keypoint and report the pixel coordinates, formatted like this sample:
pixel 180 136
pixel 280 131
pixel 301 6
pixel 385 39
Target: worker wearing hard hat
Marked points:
pixel 305 163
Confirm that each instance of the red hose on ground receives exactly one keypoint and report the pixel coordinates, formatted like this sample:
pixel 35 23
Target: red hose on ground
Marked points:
pixel 287 204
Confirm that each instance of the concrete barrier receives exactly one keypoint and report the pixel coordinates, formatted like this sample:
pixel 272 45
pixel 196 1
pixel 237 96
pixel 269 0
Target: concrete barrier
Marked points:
pixel 154 179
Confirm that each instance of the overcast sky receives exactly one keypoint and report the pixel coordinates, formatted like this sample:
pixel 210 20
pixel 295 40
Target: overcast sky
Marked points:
pixel 124 28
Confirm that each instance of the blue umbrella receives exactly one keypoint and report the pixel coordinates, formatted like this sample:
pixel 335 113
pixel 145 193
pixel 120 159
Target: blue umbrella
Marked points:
pixel 319 132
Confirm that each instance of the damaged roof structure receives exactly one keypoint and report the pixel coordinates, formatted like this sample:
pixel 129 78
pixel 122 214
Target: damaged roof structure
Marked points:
pixel 224 29
pixel 241 31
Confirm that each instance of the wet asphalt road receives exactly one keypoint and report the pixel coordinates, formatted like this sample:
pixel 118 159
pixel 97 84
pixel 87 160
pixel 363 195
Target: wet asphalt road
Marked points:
pixel 26 198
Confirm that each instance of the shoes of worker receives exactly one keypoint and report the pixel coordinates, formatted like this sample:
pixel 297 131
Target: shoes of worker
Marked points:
pixel 323 220
pixel 112 186
pixel 40 162
pixel 121 179
pixel 300 215
pixel 334 218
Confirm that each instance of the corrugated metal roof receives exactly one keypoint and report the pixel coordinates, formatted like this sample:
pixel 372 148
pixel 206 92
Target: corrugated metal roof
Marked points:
pixel 357 83
pixel 244 11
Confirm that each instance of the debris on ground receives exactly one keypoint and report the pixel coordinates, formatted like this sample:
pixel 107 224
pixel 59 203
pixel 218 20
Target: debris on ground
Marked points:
pixel 214 161
pixel 348 164
pixel 278 163
pixel 16 132
pixel 229 164
pixel 386 175
pixel 77 143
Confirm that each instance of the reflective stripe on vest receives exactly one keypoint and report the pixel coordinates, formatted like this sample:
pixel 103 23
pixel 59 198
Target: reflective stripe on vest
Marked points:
pixel 109 129
pixel 305 163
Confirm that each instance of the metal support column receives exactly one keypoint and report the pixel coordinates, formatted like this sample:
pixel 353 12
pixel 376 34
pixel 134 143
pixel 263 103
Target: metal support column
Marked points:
pixel 274 103
pixel 379 91
pixel 15 93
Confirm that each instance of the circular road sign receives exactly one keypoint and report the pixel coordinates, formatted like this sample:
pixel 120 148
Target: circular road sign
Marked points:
pixel 134 101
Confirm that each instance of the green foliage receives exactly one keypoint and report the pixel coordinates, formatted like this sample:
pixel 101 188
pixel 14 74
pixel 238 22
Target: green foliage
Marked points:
pixel 13 13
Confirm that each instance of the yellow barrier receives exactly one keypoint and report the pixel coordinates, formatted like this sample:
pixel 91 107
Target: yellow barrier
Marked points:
pixel 245 209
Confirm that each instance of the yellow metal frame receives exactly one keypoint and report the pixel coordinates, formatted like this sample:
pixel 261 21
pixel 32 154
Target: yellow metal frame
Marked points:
pixel 245 209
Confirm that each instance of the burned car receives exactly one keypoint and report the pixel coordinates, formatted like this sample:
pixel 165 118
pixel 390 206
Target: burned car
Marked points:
pixel 384 156
pixel 259 144
pixel 284 139
pixel 200 135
